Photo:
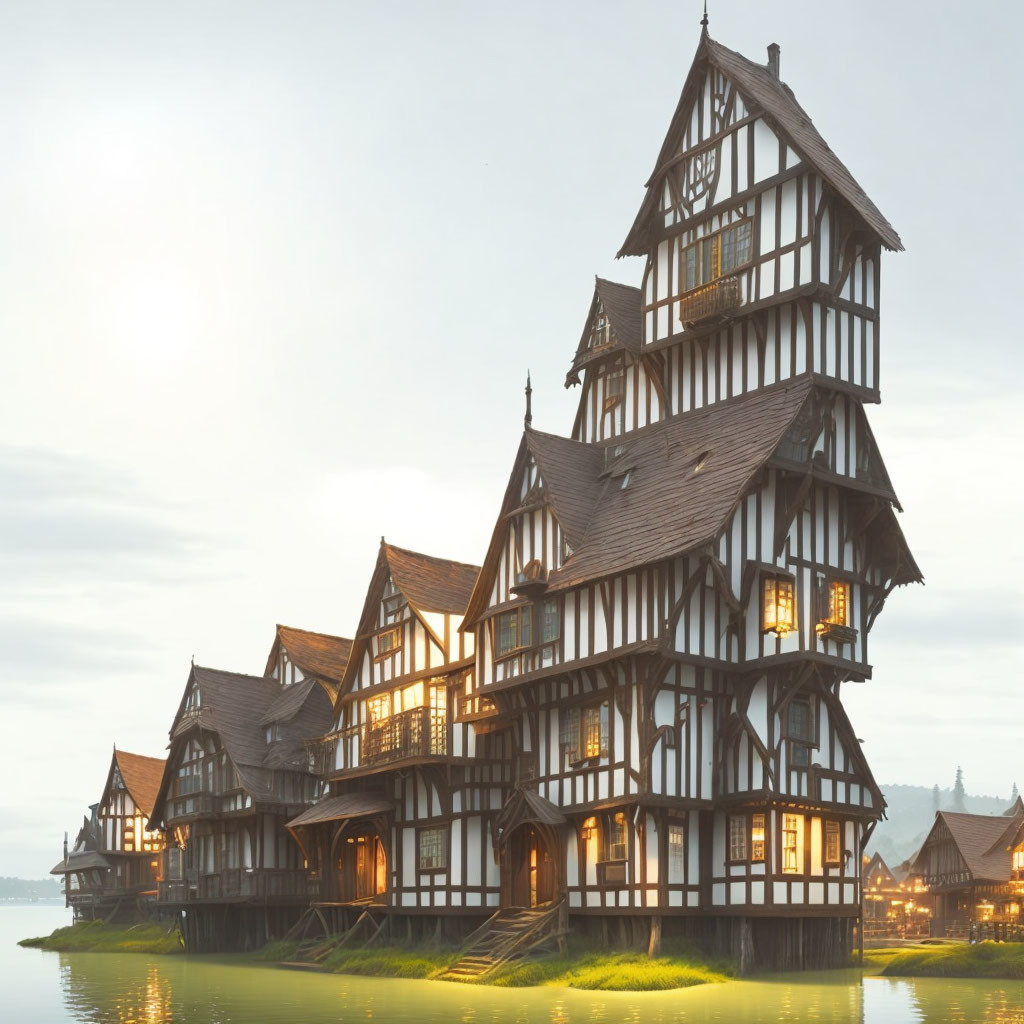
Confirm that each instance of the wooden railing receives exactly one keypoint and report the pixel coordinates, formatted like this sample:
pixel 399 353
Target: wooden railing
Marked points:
pixel 242 883
pixel 416 733
pixel 323 752
pixel 717 297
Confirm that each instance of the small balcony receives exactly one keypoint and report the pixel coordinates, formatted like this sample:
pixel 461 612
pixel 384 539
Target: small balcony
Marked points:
pixel 420 732
pixel 721 296
pixel 236 883
pixel 323 753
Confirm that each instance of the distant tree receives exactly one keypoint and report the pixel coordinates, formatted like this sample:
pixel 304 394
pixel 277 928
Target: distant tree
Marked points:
pixel 1015 794
pixel 959 801
pixel 935 799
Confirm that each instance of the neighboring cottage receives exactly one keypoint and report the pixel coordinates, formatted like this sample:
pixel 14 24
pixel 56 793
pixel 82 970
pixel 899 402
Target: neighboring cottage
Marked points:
pixel 113 867
pixel 897 903
pixel 973 864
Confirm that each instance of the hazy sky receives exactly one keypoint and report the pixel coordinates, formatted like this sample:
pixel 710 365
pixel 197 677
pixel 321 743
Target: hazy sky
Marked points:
pixel 272 275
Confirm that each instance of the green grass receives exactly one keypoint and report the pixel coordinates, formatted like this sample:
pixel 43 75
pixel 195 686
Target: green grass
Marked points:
pixel 99 937
pixel 611 972
pixel 388 962
pixel 960 960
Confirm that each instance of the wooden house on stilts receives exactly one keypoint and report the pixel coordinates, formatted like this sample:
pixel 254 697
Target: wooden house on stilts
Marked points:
pixel 112 869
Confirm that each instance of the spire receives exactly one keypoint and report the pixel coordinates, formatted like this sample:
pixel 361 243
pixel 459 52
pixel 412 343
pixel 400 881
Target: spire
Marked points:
pixel 528 418
pixel 704 20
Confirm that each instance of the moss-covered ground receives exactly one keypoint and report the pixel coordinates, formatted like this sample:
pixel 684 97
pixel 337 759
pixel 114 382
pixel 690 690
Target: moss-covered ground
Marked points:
pixel 99 937
pixel 949 960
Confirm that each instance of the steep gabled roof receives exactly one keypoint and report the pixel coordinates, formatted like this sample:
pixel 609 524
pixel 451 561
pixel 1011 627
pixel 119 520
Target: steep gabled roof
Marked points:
pixel 877 867
pixel 983 841
pixel 765 93
pixel 316 654
pixel 428 583
pixel 235 706
pixel 621 303
pixel 141 776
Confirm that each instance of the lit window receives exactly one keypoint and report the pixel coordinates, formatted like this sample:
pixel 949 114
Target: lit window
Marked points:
pixel 835 607
pixel 790 830
pixel 757 837
pixel 433 849
pixel 378 709
pixel 779 605
pixel 738 837
pixel 832 850
pixel 1018 859
pixel 389 641
pixel 514 630
pixel 716 255
pixel 584 732
pixel 676 853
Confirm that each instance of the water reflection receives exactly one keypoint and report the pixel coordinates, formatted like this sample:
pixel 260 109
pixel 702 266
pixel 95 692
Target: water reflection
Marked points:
pixel 109 989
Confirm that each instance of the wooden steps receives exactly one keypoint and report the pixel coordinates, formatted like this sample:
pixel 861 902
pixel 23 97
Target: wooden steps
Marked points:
pixel 510 934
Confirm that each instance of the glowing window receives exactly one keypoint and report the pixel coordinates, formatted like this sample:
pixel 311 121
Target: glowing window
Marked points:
pixel 388 641
pixel 790 832
pixel 779 605
pixel 757 837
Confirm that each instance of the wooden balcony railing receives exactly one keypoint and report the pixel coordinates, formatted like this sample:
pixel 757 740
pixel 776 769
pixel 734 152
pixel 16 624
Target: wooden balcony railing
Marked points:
pixel 717 297
pixel 416 733
pixel 241 883
pixel 323 753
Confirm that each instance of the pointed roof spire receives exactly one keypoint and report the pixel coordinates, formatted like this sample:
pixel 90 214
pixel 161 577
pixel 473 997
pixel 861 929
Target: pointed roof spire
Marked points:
pixel 704 20
pixel 528 418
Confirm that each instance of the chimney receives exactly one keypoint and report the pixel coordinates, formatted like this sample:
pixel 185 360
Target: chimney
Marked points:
pixel 773 59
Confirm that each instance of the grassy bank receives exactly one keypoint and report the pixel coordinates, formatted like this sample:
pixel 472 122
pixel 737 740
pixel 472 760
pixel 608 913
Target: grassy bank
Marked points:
pixel 98 937
pixel 950 960
pixel 581 967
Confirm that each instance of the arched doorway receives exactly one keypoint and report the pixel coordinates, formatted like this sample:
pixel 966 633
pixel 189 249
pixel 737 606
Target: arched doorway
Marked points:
pixel 532 867
pixel 361 865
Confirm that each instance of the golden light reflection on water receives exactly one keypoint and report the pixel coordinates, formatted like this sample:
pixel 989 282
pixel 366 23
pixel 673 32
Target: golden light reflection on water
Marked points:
pixel 110 989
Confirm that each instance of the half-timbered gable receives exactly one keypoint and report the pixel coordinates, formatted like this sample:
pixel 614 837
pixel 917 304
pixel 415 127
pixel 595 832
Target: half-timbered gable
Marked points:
pixel 299 654
pixel 237 771
pixel 409 783
pixel 762 250
pixel 622 389
pixel 115 860
pixel 971 863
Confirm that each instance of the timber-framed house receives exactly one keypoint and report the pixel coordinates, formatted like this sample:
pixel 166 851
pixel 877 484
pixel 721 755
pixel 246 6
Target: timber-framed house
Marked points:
pixel 674 596
pixel 236 772
pixel 401 829
pixel 973 865
pixel 113 868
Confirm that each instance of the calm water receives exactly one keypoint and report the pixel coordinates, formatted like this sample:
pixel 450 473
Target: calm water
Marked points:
pixel 53 988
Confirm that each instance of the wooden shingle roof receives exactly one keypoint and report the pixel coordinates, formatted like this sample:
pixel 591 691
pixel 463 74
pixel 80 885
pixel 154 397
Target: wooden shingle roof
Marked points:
pixel 431 584
pixel 983 840
pixel 621 303
pixel 763 93
pixel 669 490
pixel 141 776
pixel 316 654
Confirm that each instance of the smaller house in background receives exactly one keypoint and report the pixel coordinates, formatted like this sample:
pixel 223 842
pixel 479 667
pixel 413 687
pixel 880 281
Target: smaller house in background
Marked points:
pixel 114 866
pixel 897 903
pixel 973 864
pixel 297 655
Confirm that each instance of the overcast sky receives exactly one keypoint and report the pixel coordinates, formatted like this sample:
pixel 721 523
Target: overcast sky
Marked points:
pixel 271 277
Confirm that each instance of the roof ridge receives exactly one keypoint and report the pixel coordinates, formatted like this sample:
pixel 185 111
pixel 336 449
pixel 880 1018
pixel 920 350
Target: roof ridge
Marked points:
pixel 310 632
pixel 228 672
pixel 432 558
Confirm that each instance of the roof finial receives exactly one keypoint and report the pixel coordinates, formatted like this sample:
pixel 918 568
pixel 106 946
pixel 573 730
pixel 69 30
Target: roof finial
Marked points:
pixel 528 418
pixel 704 20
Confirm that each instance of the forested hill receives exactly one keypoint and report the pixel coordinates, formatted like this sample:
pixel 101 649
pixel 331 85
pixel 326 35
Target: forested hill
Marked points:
pixel 910 813
pixel 30 889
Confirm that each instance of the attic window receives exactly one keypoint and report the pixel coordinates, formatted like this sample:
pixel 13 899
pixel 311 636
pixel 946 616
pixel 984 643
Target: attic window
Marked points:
pixel 388 642
pixel 612 454
pixel 600 332
pixel 273 732
pixel 392 601
pixel 625 480
pixel 702 460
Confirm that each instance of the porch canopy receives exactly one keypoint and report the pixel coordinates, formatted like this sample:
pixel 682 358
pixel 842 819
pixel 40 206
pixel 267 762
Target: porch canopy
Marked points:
pixel 86 861
pixel 526 807
pixel 349 805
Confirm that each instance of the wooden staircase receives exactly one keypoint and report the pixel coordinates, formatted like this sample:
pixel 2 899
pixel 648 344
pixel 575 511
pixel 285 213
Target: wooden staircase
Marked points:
pixel 314 949
pixel 510 934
